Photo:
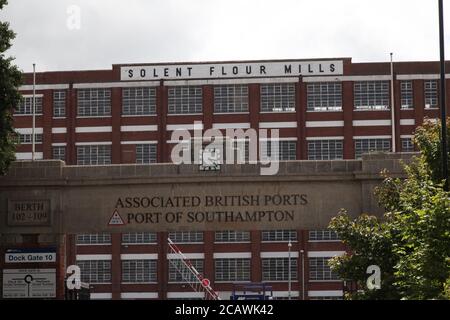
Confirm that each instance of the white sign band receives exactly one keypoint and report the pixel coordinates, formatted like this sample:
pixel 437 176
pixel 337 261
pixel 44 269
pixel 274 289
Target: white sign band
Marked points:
pixel 232 70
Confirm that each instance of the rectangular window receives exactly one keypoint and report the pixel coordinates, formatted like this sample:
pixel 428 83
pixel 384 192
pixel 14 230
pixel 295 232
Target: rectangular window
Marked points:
pixel 407 96
pixel 94 155
pixel 26 106
pixel 231 270
pixel 94 238
pixel 325 150
pixel 407 145
pixel 94 102
pixel 184 100
pixel 324 96
pixel 138 101
pixel 323 235
pixel 28 138
pixel 431 94
pixel 371 95
pixel 186 236
pixel 327 298
pixel 145 153
pixel 59 104
pixel 59 153
pixel 138 271
pixel 371 145
pixel 278 235
pixel 320 270
pixel 139 238
pixel 176 276
pixel 232 236
pixel 278 97
pixel 277 269
pixel 287 150
pixel 95 271
pixel 230 99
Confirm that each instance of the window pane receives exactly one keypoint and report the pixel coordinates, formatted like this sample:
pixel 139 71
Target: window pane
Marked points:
pixel 232 270
pixel 325 150
pixel 277 269
pixel 176 265
pixel 59 103
pixel 287 150
pixel 229 99
pixel 95 271
pixel 324 96
pixel 138 271
pixel 146 153
pixel 320 270
pixel 407 97
pixel 94 155
pixel 26 106
pixel 277 97
pixel 184 100
pixel 94 238
pixel 323 235
pixel 186 237
pixel 138 101
pixel 94 102
pixel 59 153
pixel 407 145
pixel 371 95
pixel 431 94
pixel 371 145
pixel 279 235
pixel 139 238
pixel 232 236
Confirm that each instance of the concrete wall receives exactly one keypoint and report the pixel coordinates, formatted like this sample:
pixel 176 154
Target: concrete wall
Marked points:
pixel 162 197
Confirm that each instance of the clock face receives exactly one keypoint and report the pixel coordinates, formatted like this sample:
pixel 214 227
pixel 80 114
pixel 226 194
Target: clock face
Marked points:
pixel 210 159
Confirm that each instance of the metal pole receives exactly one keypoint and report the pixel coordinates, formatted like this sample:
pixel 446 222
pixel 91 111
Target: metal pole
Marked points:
pixel 394 145
pixel 34 114
pixel 303 274
pixel 289 269
pixel 443 102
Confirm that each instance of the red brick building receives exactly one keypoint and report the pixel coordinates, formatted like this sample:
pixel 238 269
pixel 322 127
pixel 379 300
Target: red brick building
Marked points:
pixel 324 110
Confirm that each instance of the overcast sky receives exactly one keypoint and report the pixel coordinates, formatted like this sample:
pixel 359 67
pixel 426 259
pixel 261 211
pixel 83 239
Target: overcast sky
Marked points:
pixel 135 31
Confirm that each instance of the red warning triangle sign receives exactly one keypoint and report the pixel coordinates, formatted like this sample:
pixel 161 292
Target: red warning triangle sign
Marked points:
pixel 116 219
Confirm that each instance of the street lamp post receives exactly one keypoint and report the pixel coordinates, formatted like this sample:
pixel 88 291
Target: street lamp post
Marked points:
pixel 443 102
pixel 303 274
pixel 33 139
pixel 289 269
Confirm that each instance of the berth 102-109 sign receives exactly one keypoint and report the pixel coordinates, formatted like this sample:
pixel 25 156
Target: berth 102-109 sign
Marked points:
pixel 232 70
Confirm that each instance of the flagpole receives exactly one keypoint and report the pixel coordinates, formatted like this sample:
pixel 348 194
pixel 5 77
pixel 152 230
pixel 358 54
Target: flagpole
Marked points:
pixel 33 142
pixel 394 146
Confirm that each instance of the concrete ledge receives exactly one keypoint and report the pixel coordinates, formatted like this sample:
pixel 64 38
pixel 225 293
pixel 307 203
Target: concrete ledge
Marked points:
pixel 54 170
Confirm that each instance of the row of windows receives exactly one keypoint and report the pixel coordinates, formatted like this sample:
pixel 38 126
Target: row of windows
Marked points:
pixel 197 236
pixel 226 270
pixel 25 138
pixel 321 96
pixel 286 150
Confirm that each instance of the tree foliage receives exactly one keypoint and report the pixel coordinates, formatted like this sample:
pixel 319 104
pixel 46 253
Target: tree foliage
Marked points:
pixel 411 243
pixel 10 80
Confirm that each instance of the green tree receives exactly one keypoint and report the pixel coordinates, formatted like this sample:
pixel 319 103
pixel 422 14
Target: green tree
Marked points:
pixel 10 80
pixel 411 243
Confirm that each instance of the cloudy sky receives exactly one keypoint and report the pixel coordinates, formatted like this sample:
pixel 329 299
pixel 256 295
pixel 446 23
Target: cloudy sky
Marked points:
pixel 134 31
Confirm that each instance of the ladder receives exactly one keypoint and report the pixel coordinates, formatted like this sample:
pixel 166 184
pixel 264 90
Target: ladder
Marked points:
pixel 189 274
